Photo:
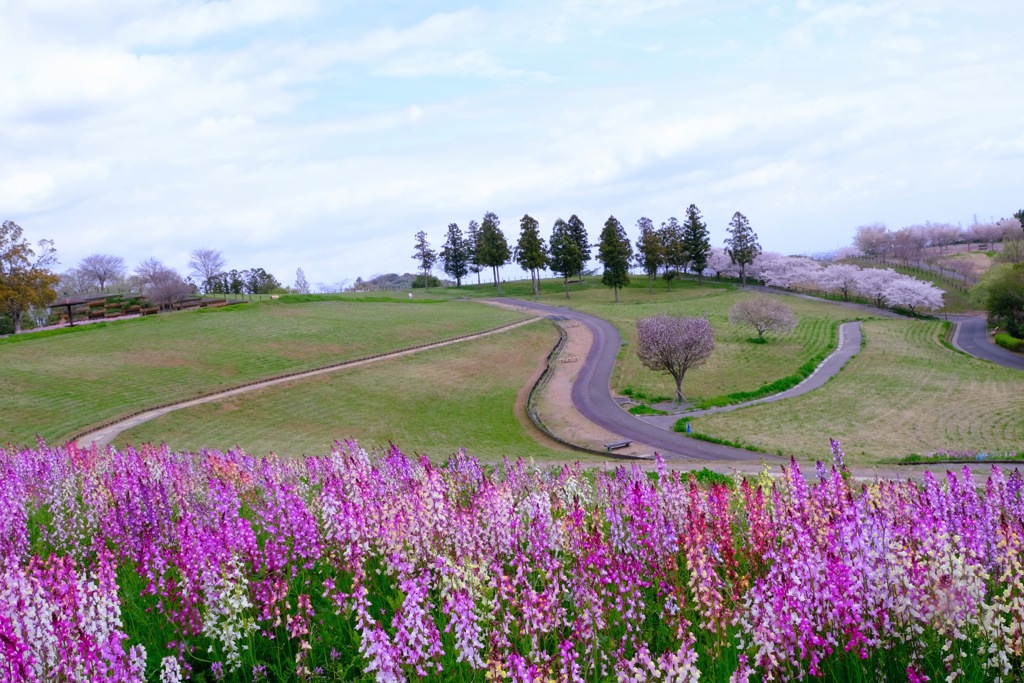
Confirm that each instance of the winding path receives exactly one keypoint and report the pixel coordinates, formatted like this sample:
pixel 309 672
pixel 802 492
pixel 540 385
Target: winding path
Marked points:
pixel 104 435
pixel 592 396
pixel 971 337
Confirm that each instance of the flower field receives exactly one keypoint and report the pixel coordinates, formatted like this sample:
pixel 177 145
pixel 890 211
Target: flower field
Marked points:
pixel 153 565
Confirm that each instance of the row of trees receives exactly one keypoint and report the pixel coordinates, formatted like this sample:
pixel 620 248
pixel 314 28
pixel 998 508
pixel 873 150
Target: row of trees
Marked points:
pixel 909 243
pixel 26 280
pixel 208 273
pixel 671 249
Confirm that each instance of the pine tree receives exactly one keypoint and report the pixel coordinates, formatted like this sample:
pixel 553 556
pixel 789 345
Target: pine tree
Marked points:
pixel 696 242
pixel 472 240
pixel 566 257
pixel 650 250
pixel 579 236
pixel 615 253
pixel 425 256
pixel 742 244
pixel 531 252
pixel 491 247
pixel 455 254
pixel 673 252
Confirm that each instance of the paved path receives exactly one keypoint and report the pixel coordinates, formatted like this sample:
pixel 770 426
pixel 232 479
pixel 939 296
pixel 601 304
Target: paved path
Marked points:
pixel 847 348
pixel 105 435
pixel 592 396
pixel 971 337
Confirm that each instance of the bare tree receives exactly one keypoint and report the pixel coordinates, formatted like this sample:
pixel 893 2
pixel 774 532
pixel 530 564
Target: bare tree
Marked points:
pixel 764 315
pixel 301 284
pixel 102 269
pixel 206 264
pixel 161 285
pixel 674 345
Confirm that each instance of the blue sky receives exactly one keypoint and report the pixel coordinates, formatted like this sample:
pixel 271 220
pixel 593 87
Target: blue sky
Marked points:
pixel 323 135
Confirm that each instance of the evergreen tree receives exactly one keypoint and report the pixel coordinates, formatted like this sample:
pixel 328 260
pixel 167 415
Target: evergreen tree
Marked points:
pixel 472 239
pixel 455 256
pixel 615 253
pixel 566 257
pixel 579 236
pixel 491 247
pixel 673 251
pixel 696 242
pixel 531 251
pixel 742 244
pixel 425 256
pixel 650 250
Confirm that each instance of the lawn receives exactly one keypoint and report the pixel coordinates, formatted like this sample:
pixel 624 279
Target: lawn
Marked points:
pixel 55 386
pixel 433 402
pixel 903 393
pixel 737 365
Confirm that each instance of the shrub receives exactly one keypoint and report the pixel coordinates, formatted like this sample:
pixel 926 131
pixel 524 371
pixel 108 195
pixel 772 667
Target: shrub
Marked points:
pixel 1009 342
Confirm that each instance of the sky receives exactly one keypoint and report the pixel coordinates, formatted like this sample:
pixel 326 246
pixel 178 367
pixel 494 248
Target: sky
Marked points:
pixel 323 134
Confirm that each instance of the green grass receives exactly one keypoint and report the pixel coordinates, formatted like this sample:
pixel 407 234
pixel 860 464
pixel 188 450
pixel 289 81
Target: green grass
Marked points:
pixel 646 410
pixel 737 370
pixel 431 402
pixel 904 393
pixel 57 384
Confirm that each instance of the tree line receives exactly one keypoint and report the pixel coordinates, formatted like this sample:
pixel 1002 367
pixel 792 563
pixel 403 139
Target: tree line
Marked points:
pixel 671 249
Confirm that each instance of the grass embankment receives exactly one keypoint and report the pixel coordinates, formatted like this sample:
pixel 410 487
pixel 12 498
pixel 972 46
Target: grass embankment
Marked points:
pixel 431 402
pixel 903 393
pixel 57 385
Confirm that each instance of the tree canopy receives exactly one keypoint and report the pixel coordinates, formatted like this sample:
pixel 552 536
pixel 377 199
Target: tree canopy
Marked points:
pixel 742 243
pixel 25 279
pixel 615 253
pixel 696 242
pixel 566 259
pixel 492 248
pixel 579 235
pixel 455 254
pixel 764 314
pixel 674 345
pixel 531 252
pixel 424 256
pixel 650 250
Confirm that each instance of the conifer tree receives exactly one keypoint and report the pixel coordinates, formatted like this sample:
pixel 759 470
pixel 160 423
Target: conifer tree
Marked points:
pixel 615 253
pixel 696 242
pixel 531 252
pixel 742 244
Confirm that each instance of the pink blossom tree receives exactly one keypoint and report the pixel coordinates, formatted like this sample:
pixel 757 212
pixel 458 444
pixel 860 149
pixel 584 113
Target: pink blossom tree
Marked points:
pixel 872 283
pixel 912 293
pixel 720 263
pixel 674 345
pixel 776 270
pixel 839 277
pixel 764 314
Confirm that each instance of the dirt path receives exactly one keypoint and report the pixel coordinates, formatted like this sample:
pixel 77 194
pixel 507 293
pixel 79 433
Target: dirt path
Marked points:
pixel 104 435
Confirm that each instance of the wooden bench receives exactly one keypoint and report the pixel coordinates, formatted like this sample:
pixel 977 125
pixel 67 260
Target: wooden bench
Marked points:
pixel 617 445
pixel 569 359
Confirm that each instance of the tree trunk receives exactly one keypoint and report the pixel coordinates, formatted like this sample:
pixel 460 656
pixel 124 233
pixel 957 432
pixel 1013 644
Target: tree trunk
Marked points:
pixel 700 279
pixel 616 289
pixel 497 280
pixel 743 275
pixel 679 389
pixel 535 279
pixel 566 286
pixel 650 284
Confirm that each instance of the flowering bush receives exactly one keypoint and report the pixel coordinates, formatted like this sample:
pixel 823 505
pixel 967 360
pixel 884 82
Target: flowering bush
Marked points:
pixel 147 564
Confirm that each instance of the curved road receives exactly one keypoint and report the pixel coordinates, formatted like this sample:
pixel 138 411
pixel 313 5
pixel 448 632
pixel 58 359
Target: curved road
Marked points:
pixel 592 397
pixel 971 337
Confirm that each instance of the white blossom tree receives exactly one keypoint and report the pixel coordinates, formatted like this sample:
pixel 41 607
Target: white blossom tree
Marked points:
pixel 839 277
pixel 911 293
pixel 720 263
pixel 674 345
pixel 764 314
pixel 776 270
pixel 873 283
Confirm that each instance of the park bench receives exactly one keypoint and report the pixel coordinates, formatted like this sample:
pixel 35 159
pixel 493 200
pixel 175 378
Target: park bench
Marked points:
pixel 617 444
pixel 570 359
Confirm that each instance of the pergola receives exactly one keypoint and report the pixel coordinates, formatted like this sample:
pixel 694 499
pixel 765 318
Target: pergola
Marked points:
pixel 70 301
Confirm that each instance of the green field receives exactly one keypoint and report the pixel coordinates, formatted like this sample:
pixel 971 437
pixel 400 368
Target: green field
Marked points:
pixel 430 402
pixel 903 393
pixel 55 386
pixel 736 365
